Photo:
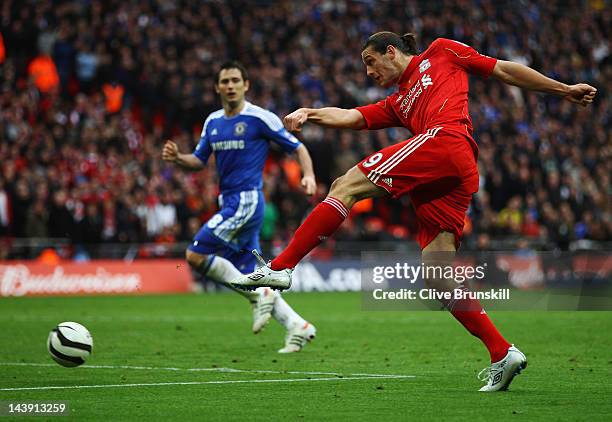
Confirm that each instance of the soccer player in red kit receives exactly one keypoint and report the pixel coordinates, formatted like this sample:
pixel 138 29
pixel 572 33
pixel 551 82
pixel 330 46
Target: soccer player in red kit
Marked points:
pixel 436 167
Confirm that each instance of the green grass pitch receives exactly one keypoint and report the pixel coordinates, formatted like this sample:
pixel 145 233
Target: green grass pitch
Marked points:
pixel 568 378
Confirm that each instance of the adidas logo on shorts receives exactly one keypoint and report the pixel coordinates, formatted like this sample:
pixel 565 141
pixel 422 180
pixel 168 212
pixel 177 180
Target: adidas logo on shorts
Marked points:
pixel 388 181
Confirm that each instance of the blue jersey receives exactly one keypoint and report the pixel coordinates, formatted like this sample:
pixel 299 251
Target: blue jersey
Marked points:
pixel 240 144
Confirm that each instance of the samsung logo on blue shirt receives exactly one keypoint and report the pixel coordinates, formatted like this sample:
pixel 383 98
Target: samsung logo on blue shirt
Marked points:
pixel 227 145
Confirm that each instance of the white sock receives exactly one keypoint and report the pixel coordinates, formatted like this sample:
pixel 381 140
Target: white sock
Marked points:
pixel 285 314
pixel 222 271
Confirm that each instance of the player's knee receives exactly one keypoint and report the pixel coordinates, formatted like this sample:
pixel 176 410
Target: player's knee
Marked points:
pixel 437 257
pixel 343 189
pixel 435 276
pixel 194 259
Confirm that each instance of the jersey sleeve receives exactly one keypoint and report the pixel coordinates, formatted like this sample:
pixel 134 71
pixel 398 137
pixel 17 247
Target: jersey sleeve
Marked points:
pixel 273 129
pixel 203 149
pixel 467 58
pixel 379 115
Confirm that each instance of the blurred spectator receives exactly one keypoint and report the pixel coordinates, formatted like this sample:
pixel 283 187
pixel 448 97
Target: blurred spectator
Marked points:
pixel 86 66
pixel 49 257
pixel 270 218
pixel 5 210
pixel 89 228
pixel 44 73
pixel 20 202
pixel 113 92
pixel 530 227
pixel 2 50
pixel 160 214
pixel 37 220
pixel 61 221
pixel 510 218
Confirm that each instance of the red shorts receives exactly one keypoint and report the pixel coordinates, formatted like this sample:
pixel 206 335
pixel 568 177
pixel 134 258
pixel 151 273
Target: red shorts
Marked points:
pixel 438 170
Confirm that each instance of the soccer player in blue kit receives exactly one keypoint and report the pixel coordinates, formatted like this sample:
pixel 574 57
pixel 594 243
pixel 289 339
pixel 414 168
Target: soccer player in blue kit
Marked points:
pixel 239 136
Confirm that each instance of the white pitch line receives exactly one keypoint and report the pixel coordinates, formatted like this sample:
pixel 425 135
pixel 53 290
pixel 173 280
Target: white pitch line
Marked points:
pixel 230 370
pixel 156 384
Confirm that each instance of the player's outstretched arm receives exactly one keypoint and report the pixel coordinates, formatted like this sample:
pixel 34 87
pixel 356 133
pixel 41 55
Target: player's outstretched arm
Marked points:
pixel 525 77
pixel 328 116
pixel 171 154
pixel 309 183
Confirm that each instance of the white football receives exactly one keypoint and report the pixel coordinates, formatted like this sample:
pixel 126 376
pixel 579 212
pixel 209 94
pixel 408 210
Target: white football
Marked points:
pixel 70 344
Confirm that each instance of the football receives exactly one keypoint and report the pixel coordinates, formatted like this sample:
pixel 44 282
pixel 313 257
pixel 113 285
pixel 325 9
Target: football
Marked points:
pixel 70 344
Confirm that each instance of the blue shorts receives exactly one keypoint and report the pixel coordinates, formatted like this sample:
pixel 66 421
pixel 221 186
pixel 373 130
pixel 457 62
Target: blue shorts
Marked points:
pixel 233 232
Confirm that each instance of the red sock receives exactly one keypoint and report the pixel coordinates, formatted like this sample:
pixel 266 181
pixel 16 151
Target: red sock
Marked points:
pixel 471 314
pixel 322 222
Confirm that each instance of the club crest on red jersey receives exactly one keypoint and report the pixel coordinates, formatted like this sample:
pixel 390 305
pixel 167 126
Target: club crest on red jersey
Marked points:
pixel 425 64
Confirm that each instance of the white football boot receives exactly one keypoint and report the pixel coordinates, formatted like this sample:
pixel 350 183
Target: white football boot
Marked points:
pixel 298 336
pixel 262 308
pixel 500 374
pixel 264 277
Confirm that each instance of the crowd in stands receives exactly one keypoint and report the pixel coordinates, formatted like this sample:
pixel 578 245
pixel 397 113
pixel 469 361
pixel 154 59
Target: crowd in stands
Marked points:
pixel 89 91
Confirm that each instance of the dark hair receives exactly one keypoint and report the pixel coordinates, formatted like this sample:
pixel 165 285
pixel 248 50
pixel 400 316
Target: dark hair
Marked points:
pixel 379 42
pixel 232 64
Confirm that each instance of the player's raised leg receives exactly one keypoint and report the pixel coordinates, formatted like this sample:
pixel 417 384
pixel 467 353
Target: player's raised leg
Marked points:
pixel 321 223
pixel 506 360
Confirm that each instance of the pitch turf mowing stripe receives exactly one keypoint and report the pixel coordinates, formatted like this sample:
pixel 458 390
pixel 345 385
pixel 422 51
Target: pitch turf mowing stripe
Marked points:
pixel 250 371
pixel 158 384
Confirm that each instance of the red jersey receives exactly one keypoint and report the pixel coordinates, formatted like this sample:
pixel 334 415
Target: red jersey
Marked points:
pixel 433 90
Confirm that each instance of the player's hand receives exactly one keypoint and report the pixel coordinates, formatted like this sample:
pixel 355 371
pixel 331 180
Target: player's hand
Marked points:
pixel 170 151
pixel 582 94
pixel 294 121
pixel 309 185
